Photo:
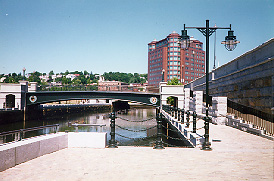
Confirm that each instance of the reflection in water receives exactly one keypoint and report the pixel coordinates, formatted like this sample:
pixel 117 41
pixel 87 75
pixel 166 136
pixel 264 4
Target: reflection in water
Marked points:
pixel 102 118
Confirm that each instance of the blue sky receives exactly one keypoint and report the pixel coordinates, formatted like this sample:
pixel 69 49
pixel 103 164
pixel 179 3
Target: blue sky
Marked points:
pixel 112 35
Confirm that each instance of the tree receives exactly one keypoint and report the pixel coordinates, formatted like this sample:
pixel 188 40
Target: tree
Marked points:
pixel 34 77
pixel 174 81
pixel 86 72
pixel 51 73
pixel 170 100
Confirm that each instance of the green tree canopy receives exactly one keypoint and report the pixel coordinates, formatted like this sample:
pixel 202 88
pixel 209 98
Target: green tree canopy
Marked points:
pixel 174 81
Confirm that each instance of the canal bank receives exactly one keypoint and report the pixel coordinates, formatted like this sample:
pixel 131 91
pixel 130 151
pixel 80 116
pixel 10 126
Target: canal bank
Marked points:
pixel 139 134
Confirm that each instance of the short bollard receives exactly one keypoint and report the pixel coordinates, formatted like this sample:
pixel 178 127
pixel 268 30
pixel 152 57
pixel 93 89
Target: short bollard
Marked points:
pixel 159 143
pixel 182 116
pixel 187 118
pixel 194 121
pixel 112 141
pixel 172 111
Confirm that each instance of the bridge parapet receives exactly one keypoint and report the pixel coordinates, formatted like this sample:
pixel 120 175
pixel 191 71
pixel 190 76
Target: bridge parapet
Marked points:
pixel 186 124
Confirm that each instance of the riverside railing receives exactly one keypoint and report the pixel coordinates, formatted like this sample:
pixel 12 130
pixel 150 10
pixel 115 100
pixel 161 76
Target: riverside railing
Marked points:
pixel 113 126
pixel 180 118
pixel 18 135
pixel 76 125
pixel 259 119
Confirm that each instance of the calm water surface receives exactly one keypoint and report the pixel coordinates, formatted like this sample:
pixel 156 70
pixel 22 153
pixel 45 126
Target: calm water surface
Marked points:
pixel 101 118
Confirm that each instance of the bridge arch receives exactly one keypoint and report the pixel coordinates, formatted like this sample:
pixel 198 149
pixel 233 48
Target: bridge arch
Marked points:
pixel 175 91
pixel 36 98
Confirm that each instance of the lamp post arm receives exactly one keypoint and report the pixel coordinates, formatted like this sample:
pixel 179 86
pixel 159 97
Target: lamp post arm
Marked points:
pixel 192 27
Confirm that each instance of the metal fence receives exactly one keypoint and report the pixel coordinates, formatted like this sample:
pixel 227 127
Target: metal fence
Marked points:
pixel 18 135
pixel 259 119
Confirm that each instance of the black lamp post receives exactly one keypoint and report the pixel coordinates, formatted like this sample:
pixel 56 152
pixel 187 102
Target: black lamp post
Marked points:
pixel 230 44
pixel 163 75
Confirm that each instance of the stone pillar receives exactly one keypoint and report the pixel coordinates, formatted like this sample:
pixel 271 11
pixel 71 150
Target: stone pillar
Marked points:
pixel 187 98
pixel 219 109
pixel 198 96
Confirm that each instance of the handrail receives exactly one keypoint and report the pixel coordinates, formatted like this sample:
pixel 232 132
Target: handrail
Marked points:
pixel 29 129
pixel 76 125
pixel 20 134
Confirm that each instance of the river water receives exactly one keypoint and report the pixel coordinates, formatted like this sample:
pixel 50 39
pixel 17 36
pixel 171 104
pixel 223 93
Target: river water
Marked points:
pixel 132 133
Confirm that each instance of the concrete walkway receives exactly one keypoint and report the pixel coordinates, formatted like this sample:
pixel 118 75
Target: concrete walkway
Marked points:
pixel 238 156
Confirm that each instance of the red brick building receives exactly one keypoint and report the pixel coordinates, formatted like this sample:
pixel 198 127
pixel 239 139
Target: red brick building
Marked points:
pixel 186 65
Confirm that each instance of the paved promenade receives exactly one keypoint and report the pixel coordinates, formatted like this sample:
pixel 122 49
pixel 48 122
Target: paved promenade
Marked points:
pixel 238 156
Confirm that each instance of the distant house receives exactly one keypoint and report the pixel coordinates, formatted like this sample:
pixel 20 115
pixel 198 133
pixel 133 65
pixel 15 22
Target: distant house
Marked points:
pixel 112 86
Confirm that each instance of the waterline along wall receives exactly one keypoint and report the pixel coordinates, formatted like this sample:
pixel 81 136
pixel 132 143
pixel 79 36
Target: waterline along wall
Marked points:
pixel 247 80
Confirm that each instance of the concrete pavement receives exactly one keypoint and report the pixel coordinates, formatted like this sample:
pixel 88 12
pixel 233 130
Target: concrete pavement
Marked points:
pixel 237 156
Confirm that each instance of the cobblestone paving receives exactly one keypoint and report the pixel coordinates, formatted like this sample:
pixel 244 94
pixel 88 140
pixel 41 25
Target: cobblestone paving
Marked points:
pixel 237 156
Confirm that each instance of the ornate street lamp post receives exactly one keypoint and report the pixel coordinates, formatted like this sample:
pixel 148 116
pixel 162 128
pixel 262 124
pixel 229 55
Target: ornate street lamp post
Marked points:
pixel 230 44
pixel 163 75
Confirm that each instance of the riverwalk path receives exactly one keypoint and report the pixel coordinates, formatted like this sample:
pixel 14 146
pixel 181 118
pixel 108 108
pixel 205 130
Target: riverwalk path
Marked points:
pixel 236 155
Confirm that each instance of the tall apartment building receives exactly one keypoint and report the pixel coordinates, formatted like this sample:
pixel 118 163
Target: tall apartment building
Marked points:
pixel 186 65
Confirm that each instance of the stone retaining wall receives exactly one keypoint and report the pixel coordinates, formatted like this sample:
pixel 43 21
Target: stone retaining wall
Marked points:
pixel 12 154
pixel 247 80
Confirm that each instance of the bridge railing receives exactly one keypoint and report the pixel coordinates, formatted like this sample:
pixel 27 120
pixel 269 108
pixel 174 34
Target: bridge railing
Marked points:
pixel 258 119
pixel 186 123
pixel 121 88
pixel 67 88
pixel 18 135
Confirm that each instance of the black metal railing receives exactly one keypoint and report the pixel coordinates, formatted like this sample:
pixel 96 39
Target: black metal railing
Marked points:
pixel 18 135
pixel 259 119
pixel 184 118
pixel 113 133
